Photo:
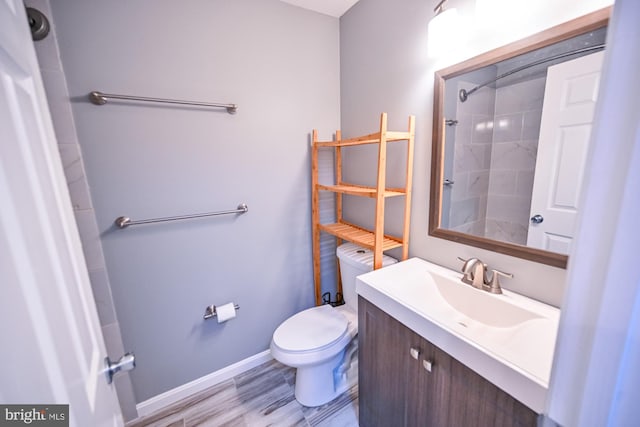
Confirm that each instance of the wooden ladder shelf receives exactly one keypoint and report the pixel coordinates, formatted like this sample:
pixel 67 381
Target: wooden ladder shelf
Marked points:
pixel 375 239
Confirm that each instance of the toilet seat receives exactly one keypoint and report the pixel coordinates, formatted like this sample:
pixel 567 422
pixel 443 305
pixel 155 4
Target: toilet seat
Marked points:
pixel 311 330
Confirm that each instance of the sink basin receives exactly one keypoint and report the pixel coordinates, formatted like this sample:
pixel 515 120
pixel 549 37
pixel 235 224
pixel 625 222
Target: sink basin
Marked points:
pixel 477 305
pixel 509 339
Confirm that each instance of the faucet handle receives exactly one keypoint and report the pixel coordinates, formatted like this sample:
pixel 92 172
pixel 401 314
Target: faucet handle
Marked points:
pixel 494 286
pixel 464 263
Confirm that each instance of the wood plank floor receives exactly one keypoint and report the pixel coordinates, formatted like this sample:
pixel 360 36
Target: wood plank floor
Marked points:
pixel 260 397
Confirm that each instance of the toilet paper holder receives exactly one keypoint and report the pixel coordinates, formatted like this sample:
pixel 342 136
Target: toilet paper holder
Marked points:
pixel 210 311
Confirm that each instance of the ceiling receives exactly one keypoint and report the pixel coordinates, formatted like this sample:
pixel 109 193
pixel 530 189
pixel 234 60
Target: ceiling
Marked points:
pixel 334 8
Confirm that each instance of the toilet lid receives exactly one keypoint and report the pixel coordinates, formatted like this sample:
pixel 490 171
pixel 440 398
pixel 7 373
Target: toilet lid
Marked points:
pixel 311 329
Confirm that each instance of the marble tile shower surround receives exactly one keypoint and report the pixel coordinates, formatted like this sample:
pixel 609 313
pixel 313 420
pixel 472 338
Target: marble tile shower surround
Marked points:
pixel 472 160
pixel 518 109
pixel 260 397
pixel 496 142
pixel 70 153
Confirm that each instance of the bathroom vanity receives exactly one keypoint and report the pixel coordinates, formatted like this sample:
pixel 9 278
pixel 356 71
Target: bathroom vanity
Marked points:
pixel 437 352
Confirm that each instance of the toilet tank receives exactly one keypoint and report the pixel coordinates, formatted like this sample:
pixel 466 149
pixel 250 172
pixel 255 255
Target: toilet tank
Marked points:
pixel 355 260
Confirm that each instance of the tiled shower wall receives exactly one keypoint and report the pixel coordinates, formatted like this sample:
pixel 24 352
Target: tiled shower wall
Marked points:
pixel 516 129
pixel 496 141
pixel 472 161
pixel 71 155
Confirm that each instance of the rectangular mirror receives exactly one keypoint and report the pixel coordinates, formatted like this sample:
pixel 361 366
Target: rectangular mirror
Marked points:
pixel 510 136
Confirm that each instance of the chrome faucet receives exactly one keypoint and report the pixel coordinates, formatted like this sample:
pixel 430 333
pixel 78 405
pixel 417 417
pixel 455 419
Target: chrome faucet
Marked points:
pixel 474 273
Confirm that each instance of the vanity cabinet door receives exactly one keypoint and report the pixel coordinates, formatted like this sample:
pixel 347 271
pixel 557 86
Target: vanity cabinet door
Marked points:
pixel 427 400
pixel 474 401
pixel 381 367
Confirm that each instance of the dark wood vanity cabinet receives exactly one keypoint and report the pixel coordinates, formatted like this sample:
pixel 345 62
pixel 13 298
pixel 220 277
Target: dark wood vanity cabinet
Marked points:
pixel 396 387
pixel 381 390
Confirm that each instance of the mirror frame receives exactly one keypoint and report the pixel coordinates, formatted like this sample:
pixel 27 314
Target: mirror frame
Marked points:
pixel 567 30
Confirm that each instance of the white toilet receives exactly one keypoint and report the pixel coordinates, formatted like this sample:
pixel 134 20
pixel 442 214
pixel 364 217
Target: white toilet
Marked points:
pixel 319 341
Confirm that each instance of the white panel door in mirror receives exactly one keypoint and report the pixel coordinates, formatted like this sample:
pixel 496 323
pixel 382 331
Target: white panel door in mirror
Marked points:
pixel 567 115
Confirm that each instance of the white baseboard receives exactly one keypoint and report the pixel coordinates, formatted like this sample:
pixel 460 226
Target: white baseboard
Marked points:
pixel 168 397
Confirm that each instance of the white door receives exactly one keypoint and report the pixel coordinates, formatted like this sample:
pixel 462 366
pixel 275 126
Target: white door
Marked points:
pixel 51 350
pixel 567 115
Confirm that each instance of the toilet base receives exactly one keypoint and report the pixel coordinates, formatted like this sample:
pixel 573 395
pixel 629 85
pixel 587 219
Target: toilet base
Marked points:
pixel 315 385
pixel 320 384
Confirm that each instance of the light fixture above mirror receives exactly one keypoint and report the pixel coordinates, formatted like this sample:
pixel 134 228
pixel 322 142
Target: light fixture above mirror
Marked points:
pixel 444 32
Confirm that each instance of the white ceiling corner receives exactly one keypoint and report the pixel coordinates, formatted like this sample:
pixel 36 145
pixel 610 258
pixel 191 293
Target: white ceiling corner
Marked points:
pixel 334 8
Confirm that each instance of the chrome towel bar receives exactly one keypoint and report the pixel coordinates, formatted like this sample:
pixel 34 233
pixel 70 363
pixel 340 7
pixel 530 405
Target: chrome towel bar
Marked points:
pixel 100 98
pixel 124 221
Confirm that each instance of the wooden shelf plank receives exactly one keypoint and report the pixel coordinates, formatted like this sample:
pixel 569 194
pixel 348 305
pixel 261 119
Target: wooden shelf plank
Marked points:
pixel 398 136
pixel 360 190
pixel 359 236
pixel 374 138
pixel 346 143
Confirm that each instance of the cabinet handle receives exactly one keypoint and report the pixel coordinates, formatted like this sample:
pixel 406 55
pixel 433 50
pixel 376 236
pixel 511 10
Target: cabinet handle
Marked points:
pixel 415 353
pixel 428 365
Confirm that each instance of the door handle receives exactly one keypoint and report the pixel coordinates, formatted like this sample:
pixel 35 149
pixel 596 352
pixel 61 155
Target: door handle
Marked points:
pixel 537 219
pixel 125 363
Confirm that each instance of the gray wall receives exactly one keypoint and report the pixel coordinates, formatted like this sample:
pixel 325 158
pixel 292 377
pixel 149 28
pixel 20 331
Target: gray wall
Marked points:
pixel 280 64
pixel 385 67
pixel 71 155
